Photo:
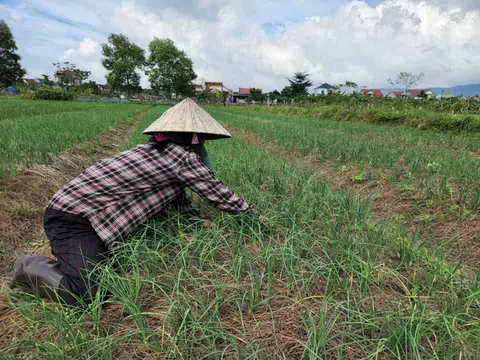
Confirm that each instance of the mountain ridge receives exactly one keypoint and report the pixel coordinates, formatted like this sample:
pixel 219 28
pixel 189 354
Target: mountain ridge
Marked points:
pixel 458 90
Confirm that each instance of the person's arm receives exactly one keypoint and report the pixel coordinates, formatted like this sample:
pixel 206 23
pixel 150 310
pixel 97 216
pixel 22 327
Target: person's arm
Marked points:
pixel 198 178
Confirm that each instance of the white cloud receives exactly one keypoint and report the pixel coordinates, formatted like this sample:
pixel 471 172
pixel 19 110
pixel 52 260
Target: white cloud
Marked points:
pixel 86 56
pixel 88 47
pixel 358 43
pixel 227 42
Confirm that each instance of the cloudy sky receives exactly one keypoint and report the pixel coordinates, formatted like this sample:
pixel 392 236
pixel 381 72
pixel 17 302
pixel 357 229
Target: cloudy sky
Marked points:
pixel 249 43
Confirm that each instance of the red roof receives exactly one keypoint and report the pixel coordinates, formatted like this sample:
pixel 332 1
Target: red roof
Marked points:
pixel 376 92
pixel 397 93
pixel 246 91
pixel 198 86
pixel 214 84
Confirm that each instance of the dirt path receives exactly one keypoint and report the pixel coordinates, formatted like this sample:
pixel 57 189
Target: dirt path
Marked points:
pixel 24 197
pixel 461 237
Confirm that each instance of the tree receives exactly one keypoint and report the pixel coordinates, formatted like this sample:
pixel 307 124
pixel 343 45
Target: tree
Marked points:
pixel 287 92
pixel 300 83
pixel 122 59
pixel 68 75
pixel 170 70
pixel 256 95
pixel 10 69
pixel 349 88
pixel 88 88
pixel 406 81
pixel 47 81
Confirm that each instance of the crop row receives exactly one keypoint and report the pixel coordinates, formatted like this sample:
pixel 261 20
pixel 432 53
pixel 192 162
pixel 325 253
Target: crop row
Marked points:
pixel 16 108
pixel 448 163
pixel 42 132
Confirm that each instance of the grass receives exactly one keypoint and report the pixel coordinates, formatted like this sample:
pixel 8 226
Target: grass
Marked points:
pixel 442 165
pixel 31 131
pixel 321 281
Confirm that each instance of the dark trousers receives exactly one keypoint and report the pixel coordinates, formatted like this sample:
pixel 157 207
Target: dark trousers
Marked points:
pixel 78 250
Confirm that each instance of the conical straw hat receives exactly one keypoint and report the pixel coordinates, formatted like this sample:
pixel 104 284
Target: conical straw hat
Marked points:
pixel 188 117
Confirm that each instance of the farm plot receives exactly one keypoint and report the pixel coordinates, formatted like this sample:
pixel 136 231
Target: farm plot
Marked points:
pixel 426 182
pixel 31 131
pixel 320 281
pixel 441 165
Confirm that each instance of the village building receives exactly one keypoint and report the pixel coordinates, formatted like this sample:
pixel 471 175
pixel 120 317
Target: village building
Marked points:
pixel 103 88
pixel 412 93
pixel 198 88
pixel 242 95
pixel 394 94
pixel 213 86
pixel 372 92
pixel 323 89
pixel 420 93
pixel 445 96
pixel 38 82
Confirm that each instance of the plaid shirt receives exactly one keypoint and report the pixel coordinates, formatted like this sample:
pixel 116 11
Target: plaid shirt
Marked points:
pixel 119 193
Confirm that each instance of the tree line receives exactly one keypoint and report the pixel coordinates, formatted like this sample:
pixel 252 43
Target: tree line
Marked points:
pixel 169 69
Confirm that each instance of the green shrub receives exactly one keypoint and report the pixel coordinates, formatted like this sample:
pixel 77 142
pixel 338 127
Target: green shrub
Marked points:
pixel 52 94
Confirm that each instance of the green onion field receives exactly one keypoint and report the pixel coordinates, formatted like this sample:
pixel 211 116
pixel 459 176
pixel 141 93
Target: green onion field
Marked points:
pixel 31 131
pixel 371 248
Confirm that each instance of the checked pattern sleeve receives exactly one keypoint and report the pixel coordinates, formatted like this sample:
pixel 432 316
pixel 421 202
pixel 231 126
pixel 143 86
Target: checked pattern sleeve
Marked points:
pixel 199 179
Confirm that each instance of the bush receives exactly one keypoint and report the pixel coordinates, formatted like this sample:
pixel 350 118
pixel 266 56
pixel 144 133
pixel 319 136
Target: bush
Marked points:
pixel 52 94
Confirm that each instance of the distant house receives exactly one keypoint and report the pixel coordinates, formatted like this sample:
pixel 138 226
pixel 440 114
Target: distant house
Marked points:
pixel 242 95
pixel 103 88
pixel 372 92
pixel 445 96
pixel 210 86
pixel 38 82
pixel 394 94
pixel 227 91
pixel 246 91
pixel 198 88
pixel 420 93
pixel 323 89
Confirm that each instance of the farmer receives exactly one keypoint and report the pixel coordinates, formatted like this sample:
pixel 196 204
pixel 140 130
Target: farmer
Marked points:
pixel 92 213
